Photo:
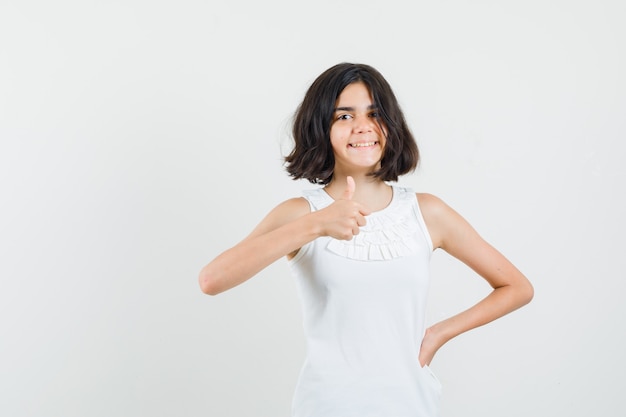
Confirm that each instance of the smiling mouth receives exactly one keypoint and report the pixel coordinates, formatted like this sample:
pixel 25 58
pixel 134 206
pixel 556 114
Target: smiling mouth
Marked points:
pixel 363 144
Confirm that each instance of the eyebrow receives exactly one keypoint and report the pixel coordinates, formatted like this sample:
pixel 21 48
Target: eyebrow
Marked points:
pixel 370 107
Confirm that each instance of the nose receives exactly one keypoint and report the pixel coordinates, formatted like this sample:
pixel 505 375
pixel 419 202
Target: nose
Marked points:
pixel 363 124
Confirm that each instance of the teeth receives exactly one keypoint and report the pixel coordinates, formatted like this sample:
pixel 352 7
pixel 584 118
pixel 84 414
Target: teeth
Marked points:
pixel 359 145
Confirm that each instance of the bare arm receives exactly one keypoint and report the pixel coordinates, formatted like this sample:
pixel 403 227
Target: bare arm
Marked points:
pixel 511 289
pixel 282 232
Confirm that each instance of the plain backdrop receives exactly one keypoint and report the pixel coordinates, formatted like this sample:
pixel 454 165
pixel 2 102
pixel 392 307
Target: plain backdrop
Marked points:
pixel 139 139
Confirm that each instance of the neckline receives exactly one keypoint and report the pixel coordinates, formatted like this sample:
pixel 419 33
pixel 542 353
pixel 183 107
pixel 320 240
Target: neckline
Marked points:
pixel 394 198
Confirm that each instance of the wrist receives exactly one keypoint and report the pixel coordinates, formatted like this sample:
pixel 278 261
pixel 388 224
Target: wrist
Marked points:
pixel 314 225
pixel 440 332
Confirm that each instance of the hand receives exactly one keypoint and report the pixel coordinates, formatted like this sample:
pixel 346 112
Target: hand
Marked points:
pixel 430 345
pixel 342 219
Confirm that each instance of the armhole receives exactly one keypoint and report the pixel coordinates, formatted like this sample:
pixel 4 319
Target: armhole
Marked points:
pixel 422 222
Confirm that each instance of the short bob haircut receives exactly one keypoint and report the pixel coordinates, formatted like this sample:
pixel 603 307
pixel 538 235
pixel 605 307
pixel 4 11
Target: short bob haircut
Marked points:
pixel 312 157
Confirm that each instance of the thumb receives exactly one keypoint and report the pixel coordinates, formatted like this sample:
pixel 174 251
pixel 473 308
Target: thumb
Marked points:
pixel 350 186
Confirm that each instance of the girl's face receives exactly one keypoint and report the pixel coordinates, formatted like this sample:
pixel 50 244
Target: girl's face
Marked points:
pixel 355 135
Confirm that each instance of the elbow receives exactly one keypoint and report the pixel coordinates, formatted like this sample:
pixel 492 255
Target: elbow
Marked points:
pixel 208 282
pixel 527 293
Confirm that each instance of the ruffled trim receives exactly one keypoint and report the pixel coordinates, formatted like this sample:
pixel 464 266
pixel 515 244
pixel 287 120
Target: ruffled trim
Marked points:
pixel 390 233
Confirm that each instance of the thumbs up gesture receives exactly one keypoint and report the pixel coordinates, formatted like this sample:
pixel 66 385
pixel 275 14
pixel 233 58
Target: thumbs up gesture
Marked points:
pixel 342 219
pixel 350 187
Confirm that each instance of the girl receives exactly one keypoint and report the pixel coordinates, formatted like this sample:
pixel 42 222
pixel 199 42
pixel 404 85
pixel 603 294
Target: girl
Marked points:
pixel 359 248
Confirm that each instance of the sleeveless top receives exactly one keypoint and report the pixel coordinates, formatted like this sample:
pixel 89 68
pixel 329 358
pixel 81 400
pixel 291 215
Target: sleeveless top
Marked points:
pixel 363 304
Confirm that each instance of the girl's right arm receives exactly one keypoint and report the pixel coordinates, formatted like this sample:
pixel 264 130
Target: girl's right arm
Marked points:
pixel 282 232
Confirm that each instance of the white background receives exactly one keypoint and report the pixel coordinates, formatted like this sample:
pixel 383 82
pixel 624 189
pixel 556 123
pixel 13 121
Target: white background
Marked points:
pixel 140 139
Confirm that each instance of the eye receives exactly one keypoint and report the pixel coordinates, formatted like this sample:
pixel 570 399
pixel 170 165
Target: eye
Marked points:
pixel 375 115
pixel 344 117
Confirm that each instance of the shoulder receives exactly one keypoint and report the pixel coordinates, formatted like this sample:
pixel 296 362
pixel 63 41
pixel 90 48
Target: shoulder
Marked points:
pixel 292 208
pixel 430 205
pixel 285 212
pixel 441 219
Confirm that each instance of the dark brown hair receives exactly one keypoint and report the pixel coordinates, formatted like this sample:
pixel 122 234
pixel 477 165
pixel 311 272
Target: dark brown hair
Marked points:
pixel 312 157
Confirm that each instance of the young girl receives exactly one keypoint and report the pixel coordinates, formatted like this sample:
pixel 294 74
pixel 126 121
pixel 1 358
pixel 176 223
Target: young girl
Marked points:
pixel 359 248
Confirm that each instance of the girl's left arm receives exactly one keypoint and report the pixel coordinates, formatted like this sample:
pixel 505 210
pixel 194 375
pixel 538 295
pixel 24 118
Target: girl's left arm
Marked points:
pixel 511 289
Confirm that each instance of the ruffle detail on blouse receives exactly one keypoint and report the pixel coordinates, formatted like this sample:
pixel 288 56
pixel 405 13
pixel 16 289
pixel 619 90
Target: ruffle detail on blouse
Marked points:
pixel 384 237
pixel 388 234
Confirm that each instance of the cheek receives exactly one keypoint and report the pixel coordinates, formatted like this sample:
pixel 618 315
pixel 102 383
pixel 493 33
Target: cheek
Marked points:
pixel 337 136
pixel 334 143
pixel 382 131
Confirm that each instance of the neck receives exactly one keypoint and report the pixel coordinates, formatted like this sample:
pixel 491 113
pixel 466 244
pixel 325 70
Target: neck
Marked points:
pixel 374 193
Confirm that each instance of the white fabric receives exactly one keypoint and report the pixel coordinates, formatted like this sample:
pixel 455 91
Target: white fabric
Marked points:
pixel 363 307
